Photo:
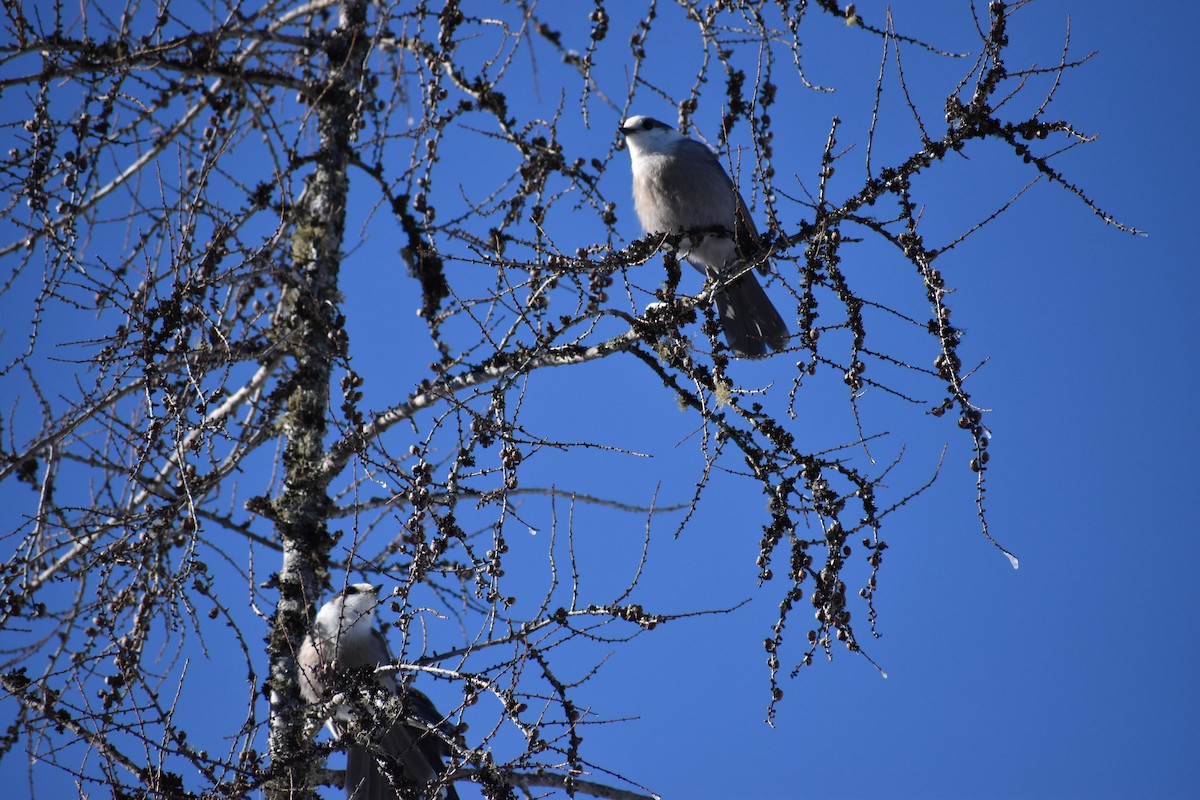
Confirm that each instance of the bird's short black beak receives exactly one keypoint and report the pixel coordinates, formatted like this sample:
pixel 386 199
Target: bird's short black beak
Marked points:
pixel 624 130
pixel 378 589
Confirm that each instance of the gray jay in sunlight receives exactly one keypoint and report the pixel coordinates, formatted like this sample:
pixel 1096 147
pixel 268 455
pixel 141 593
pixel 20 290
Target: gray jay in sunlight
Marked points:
pixel 345 640
pixel 679 186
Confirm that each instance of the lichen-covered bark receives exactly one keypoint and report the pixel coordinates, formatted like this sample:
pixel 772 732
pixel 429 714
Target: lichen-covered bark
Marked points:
pixel 310 328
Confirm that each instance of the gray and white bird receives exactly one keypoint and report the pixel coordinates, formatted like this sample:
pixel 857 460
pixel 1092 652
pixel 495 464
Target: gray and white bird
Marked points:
pixel 679 186
pixel 345 639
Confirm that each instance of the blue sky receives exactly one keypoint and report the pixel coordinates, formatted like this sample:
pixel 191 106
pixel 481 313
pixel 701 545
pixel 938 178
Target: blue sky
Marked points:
pixel 1071 677
pixel 1074 676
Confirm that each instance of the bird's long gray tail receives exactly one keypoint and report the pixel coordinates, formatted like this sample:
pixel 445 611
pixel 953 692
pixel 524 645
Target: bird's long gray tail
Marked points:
pixel 750 321
pixel 418 754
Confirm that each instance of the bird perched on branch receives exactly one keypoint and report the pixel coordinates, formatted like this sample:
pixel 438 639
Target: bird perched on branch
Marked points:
pixel 680 187
pixel 344 645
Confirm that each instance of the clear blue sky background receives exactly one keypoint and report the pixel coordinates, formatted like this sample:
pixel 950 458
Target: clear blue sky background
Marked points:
pixel 1072 677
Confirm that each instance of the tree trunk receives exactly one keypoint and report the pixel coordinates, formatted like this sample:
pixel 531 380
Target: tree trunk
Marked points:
pixel 310 330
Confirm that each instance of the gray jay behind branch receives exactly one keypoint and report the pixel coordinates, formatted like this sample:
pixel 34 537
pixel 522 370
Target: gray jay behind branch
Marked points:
pixel 679 186
pixel 345 644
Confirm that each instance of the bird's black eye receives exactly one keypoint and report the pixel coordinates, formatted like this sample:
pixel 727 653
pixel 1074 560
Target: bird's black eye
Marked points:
pixel 648 124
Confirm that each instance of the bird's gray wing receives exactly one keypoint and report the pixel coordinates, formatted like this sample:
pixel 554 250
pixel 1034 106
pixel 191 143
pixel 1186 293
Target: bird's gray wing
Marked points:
pixel 751 323
pixel 707 192
pixel 398 748
pixel 745 233
pixel 417 751
pixel 423 709
pixel 705 196
pixel 413 751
